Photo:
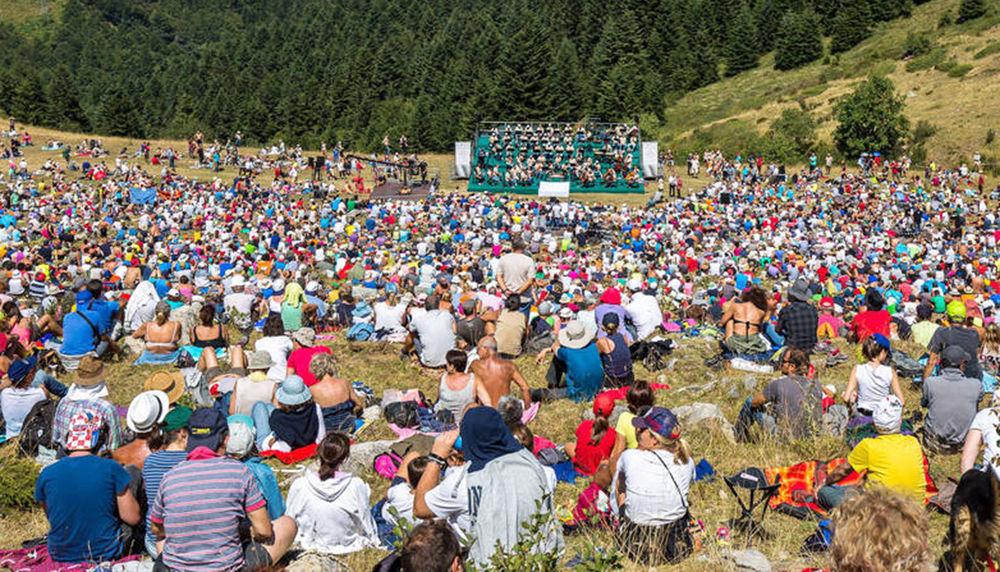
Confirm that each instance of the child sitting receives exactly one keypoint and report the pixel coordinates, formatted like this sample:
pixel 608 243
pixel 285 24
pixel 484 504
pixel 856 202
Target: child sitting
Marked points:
pixel 594 439
pixel 593 506
pixel 399 498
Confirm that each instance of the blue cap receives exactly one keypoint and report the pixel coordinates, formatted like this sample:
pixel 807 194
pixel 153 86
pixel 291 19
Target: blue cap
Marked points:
pixel 882 341
pixel 20 368
pixel 659 420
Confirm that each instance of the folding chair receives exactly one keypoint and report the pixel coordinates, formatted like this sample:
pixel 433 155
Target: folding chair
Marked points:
pixel 753 480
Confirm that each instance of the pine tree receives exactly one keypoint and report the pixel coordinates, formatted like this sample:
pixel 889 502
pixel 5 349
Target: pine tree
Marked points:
pixel 971 9
pixel 850 26
pixel 521 72
pixel 742 48
pixel 117 116
pixel 798 41
pixel 562 93
pixel 63 109
pixel 28 100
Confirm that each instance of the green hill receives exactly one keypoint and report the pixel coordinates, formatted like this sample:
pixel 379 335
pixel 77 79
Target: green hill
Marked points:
pixel 952 85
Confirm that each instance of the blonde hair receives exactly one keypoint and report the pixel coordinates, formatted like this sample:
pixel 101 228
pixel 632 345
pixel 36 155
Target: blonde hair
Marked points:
pixel 678 447
pixel 881 529
pixel 991 341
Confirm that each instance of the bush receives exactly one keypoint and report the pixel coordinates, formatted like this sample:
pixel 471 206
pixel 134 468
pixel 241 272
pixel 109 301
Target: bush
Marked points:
pixel 990 135
pixel 916 45
pixel 990 49
pixel 927 61
pixel 945 19
pixel 17 482
pixel 959 70
pixel 871 119
pixel 971 9
pixel 946 66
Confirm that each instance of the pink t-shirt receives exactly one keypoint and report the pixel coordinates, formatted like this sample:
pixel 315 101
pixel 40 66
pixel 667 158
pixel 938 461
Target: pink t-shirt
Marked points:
pixel 299 361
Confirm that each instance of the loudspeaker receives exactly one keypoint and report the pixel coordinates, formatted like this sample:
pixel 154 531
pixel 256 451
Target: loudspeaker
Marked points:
pixel 650 159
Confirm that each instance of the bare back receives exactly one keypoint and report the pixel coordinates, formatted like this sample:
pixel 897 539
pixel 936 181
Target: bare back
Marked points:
pixel 746 319
pixel 331 391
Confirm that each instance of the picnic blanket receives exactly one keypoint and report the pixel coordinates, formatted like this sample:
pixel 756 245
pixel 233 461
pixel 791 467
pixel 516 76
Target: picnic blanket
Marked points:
pixel 293 456
pixel 799 483
pixel 36 559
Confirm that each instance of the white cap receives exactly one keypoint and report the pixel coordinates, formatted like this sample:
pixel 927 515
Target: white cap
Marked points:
pixel 312 286
pixel 238 281
pixel 634 284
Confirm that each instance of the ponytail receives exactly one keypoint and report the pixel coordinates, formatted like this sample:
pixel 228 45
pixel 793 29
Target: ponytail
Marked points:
pixel 161 318
pixel 681 450
pixel 598 430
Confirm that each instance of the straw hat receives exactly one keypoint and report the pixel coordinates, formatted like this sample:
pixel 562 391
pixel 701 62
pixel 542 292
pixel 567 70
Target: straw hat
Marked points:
pixel 169 382
pixel 90 372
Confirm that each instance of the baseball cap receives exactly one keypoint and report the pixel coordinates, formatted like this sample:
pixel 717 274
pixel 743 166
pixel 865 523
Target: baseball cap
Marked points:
pixel 610 319
pixel 241 435
pixel 604 405
pixel 882 341
pixel 177 418
pixel 20 368
pixel 206 428
pixel 826 302
pixel 659 420
pixel 953 356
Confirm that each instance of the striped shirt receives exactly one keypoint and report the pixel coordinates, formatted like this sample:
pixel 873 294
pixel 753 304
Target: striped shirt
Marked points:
pixel 200 504
pixel 153 469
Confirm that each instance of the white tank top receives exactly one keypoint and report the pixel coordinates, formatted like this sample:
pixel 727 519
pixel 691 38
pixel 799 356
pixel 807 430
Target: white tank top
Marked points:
pixel 873 385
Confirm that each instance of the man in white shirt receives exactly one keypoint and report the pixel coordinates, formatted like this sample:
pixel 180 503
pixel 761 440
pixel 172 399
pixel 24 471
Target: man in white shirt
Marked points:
pixel 516 274
pixel 239 306
pixel 432 334
pixel 643 310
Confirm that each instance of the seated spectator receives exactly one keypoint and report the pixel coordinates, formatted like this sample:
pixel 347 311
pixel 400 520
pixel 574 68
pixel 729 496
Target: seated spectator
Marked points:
pixel 951 400
pixel 158 463
pixel 796 403
pixel 90 501
pixel 873 320
pixel 989 354
pixel 471 327
pixel 304 349
pixel 593 506
pixel 240 446
pixel 744 322
pixel 594 439
pixel 87 395
pixel 145 413
pixel 955 335
pixel 81 334
pixel 398 504
pixel 652 487
pixel 19 394
pixel 643 310
pixel 276 343
pixel 432 547
pixel 881 529
pixel 334 395
pixel 891 459
pixel 828 326
pixel 798 321
pixel 457 389
pixel 872 381
pixel 296 421
pixel 615 355
pixel 924 329
pixel 161 336
pixel 254 387
pixel 575 355
pixel 331 507
pixel 431 334
pixel 639 398
pixel 511 328
pixel 210 483
pixel 983 433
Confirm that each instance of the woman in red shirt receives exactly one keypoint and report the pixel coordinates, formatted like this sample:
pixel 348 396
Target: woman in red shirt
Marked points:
pixel 594 439
pixel 874 320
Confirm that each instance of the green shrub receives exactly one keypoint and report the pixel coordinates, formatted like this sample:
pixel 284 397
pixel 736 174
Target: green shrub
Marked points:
pixel 916 45
pixel 945 20
pixel 927 61
pixel 17 482
pixel 959 70
pixel 946 65
pixel 990 135
pixel 990 49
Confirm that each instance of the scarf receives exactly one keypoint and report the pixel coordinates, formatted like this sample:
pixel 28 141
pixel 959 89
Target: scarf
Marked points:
pixel 297 428
pixel 89 393
pixel 485 437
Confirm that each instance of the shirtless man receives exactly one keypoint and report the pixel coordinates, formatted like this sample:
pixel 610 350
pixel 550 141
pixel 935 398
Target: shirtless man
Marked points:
pixel 494 375
pixel 332 390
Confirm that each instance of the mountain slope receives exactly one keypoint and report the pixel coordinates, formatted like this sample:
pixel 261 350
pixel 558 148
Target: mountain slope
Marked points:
pixel 954 87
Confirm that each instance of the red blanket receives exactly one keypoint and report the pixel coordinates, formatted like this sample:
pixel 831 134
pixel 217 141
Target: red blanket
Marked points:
pixel 294 456
pixel 619 394
pixel 37 560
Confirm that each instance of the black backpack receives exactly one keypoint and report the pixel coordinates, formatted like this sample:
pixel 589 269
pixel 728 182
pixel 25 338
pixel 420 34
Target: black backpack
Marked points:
pixel 37 428
pixel 402 413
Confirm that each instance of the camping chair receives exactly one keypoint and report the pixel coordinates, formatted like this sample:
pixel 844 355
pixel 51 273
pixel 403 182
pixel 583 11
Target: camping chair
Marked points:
pixel 753 480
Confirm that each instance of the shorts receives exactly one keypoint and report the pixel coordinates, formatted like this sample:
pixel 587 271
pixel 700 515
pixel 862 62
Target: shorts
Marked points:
pixel 754 344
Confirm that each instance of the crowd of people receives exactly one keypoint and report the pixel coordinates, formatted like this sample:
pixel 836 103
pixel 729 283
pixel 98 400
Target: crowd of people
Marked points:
pixel 227 292
pixel 590 155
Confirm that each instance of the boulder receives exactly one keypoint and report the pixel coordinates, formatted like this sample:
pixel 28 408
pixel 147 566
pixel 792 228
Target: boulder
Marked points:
pixel 363 455
pixel 314 562
pixel 748 560
pixel 705 414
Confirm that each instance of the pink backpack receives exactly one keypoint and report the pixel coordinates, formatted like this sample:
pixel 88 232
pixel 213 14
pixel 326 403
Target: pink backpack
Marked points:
pixel 387 464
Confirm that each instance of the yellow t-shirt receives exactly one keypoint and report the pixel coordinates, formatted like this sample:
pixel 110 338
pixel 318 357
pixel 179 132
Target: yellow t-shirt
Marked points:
pixel 895 461
pixel 625 427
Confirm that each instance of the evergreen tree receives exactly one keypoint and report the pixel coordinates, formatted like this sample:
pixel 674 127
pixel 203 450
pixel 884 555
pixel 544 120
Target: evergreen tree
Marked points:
pixel 871 119
pixel 64 110
pixel 850 26
pixel 971 9
pixel 742 51
pixel 28 100
pixel 117 116
pixel 520 77
pixel 562 93
pixel 798 41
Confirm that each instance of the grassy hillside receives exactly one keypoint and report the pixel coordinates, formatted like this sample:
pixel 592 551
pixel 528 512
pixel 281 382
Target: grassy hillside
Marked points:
pixel 954 87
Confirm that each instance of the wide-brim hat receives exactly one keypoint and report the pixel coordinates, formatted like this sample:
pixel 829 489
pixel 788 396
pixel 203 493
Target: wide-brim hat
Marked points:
pixel 260 360
pixel 799 291
pixel 293 391
pixel 146 410
pixel 90 372
pixel 574 335
pixel 169 382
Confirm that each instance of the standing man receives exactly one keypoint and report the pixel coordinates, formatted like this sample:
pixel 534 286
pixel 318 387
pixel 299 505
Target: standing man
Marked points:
pixel 516 275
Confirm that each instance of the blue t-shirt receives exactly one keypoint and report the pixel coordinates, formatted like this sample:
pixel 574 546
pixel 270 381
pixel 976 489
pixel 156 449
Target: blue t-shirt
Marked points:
pixel 78 335
pixel 106 309
pixel 268 485
pixel 80 496
pixel 584 371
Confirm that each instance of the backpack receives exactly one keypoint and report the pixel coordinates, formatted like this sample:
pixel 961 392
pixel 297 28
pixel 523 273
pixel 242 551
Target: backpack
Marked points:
pixel 402 413
pixel 539 342
pixel 905 365
pixel 386 464
pixel 360 332
pixel 37 428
